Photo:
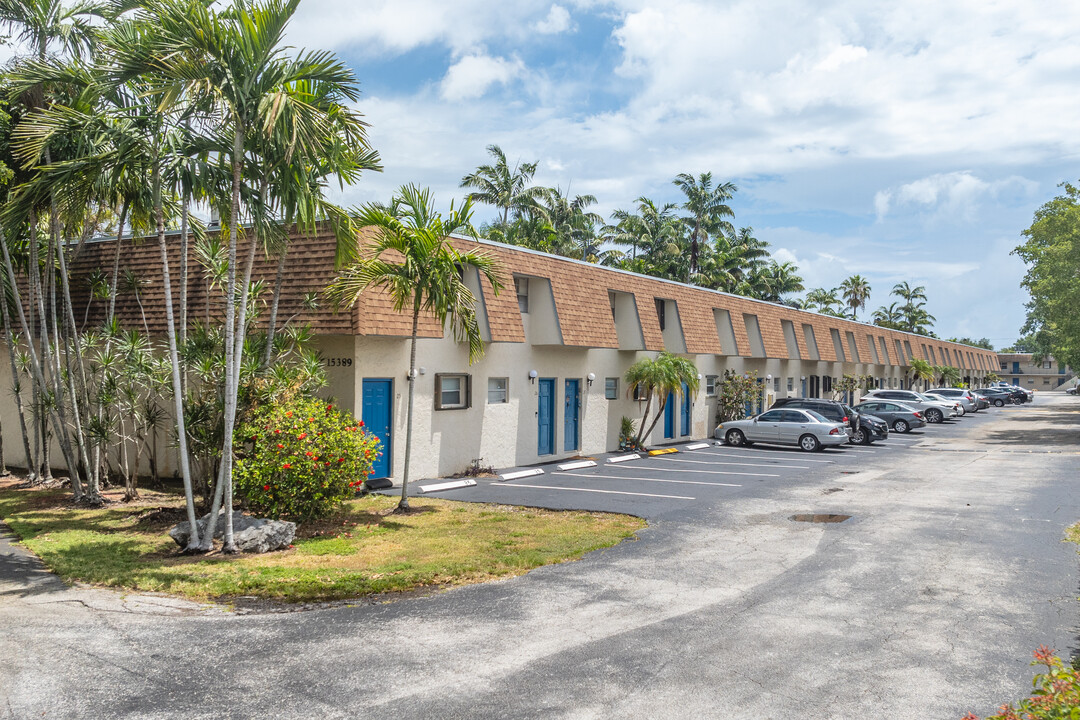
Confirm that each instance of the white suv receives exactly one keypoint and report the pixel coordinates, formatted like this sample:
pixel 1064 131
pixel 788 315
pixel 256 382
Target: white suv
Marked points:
pixel 964 397
pixel 933 411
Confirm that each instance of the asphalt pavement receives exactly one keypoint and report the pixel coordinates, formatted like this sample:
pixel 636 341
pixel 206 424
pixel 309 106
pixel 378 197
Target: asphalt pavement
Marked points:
pixel 925 603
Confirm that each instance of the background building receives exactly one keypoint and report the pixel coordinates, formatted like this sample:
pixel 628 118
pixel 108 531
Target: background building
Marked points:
pixel 1018 369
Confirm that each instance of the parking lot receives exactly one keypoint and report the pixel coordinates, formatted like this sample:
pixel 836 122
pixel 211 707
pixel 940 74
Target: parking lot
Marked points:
pixel 654 486
pixel 926 603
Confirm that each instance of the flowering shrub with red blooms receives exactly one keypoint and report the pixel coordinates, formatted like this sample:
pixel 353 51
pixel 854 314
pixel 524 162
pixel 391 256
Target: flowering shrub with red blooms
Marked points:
pixel 1056 695
pixel 302 459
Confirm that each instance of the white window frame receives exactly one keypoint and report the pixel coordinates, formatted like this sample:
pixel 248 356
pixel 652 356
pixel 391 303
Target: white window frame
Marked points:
pixel 465 388
pixel 611 383
pixel 710 385
pixel 640 393
pixel 505 390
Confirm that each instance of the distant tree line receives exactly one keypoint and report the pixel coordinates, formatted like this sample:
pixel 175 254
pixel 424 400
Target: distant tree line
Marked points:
pixel 695 241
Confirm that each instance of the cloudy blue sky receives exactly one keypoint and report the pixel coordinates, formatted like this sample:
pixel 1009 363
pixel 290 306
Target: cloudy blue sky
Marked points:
pixel 903 141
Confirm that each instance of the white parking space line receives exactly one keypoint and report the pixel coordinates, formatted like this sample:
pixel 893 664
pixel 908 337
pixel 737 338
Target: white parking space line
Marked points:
pixel 849 448
pixel 659 480
pixel 605 492
pixel 720 462
pixel 739 452
pixel 701 472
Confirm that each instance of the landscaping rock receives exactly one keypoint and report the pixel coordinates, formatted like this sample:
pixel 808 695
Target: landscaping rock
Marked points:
pixel 254 535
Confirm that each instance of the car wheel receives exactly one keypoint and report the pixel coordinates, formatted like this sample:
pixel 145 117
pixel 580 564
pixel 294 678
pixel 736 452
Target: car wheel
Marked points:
pixel 860 437
pixel 809 443
pixel 735 438
pixel 999 403
pixel 901 426
pixel 963 411
pixel 934 416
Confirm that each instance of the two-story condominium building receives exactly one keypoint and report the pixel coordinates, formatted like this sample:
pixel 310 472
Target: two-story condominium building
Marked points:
pixel 1020 370
pixel 560 337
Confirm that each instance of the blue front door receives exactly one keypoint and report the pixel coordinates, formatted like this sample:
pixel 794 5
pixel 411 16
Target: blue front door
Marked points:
pixel 669 417
pixel 685 414
pixel 572 415
pixel 378 395
pixel 545 417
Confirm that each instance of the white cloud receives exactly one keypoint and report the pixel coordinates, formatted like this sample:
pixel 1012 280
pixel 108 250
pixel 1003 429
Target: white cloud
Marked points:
pixel 472 76
pixel 956 194
pixel 841 56
pixel 557 21
pixel 948 121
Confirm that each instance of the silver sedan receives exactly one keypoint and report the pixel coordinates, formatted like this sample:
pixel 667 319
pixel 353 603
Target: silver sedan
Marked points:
pixel 784 426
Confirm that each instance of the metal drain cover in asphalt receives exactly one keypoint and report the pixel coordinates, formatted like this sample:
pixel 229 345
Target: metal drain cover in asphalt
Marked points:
pixel 820 518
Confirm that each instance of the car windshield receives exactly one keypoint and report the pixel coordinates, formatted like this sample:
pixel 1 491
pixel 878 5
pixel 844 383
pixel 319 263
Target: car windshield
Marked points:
pixel 816 415
pixel 928 398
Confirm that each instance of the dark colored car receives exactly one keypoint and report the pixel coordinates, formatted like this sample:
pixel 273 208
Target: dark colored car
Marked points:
pixel 900 417
pixel 871 428
pixel 831 409
pixel 999 396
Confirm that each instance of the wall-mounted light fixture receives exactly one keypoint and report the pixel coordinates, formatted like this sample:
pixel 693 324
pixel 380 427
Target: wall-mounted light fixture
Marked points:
pixel 589 378
pixel 768 377
pixel 803 377
pixel 532 376
pixel 411 374
pixel 699 376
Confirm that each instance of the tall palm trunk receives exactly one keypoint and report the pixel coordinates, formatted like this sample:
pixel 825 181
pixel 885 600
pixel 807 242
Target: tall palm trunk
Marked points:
pixel 225 469
pixel 403 504
pixel 76 372
pixel 114 287
pixel 174 361
pixel 184 218
pixel 641 428
pixel 659 413
pixel 35 365
pixel 16 386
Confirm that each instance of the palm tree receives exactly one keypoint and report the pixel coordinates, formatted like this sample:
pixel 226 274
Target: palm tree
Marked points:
pixel 775 281
pixel 922 370
pixel 502 186
pixel 574 228
pixel 41 23
pixel 708 211
pixel 909 294
pixel 411 259
pixel 743 252
pixel 889 316
pixel 856 291
pixel 665 377
pixel 949 375
pixel 827 302
pixel 235 61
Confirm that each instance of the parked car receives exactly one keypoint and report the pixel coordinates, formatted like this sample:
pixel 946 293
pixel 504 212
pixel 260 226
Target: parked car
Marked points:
pixel 932 411
pixel 997 396
pixel 957 406
pixel 964 396
pixel 901 418
pixel 1025 394
pixel 807 429
pixel 1071 391
pixel 834 410
pixel 871 429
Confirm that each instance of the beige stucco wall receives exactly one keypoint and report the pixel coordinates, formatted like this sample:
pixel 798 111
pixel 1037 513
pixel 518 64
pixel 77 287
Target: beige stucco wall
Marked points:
pixel 503 435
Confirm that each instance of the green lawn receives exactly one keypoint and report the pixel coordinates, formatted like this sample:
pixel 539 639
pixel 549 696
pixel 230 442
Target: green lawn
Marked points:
pixel 362 550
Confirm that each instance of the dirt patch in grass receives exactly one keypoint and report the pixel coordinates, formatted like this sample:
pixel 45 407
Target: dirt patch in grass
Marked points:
pixel 363 550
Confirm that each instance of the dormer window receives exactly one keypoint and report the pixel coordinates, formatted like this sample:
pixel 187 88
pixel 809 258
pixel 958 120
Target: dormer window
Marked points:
pixel 660 307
